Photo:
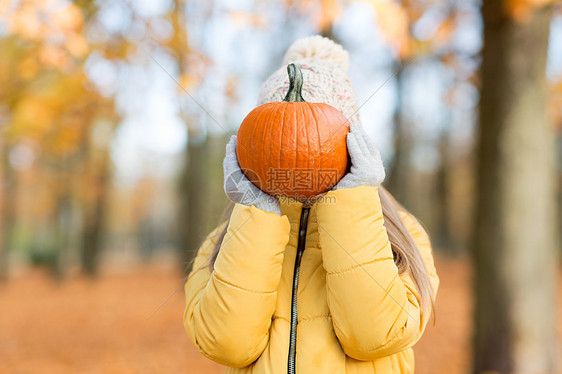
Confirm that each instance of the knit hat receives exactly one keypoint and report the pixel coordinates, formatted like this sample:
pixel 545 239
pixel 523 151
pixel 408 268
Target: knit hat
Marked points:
pixel 324 68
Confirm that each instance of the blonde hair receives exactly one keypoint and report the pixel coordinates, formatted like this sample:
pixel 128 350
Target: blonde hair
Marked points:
pixel 407 257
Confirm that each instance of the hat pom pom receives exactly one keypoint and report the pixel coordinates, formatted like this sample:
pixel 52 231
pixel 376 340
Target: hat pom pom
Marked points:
pixel 317 48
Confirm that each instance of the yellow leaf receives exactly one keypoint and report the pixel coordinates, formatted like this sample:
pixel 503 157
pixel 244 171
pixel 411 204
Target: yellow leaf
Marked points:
pixel 392 21
pixel 77 45
pixel 522 10
pixel 330 10
pixel 68 19
pixel 4 6
pixel 444 31
pixel 25 22
pixel 31 117
pixel 66 141
pixel 245 18
pixel 187 82
pixel 28 68
pixel 52 56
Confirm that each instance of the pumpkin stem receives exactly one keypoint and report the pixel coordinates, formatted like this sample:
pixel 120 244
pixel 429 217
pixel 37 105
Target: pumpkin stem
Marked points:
pixel 295 84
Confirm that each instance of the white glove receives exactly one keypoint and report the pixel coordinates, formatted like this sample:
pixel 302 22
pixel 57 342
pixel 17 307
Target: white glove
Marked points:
pixel 366 163
pixel 238 187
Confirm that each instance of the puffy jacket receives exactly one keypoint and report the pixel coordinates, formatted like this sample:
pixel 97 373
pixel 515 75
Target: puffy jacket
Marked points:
pixel 355 313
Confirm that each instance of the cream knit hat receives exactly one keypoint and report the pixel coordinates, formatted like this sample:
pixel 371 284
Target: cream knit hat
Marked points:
pixel 324 68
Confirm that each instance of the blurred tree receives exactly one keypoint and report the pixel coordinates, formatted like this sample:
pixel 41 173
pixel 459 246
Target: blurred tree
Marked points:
pixel 515 236
pixel 7 211
pixel 192 186
pixel 556 112
pixel 51 103
pixel 442 200
pixel 400 173
pixel 329 10
pixel 97 177
pixel 396 21
pixel 200 185
pixel 142 206
pixel 195 196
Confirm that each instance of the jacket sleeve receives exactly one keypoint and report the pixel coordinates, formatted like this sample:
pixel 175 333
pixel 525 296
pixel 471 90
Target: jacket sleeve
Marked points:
pixel 375 311
pixel 228 311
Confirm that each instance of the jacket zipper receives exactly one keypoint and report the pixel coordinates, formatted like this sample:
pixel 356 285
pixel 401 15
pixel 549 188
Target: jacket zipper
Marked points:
pixel 300 249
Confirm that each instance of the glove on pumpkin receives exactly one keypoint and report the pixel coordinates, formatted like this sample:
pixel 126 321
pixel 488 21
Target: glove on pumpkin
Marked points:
pixel 366 163
pixel 238 187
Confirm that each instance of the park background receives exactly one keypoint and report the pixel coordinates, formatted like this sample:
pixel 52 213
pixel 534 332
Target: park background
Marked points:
pixel 113 120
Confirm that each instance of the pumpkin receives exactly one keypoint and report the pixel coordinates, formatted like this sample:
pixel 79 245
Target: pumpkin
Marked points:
pixel 293 148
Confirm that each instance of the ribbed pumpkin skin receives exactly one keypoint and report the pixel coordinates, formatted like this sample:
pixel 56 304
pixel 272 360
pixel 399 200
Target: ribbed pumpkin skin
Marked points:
pixel 293 139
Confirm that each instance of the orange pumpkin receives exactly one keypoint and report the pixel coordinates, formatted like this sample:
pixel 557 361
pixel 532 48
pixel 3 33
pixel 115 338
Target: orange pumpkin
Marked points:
pixel 293 148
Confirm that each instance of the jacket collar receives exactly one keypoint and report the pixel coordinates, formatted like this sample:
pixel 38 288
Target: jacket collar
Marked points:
pixel 293 209
pixel 290 207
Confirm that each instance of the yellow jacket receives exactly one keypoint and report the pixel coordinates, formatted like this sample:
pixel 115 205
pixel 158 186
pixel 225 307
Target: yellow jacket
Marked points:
pixel 356 314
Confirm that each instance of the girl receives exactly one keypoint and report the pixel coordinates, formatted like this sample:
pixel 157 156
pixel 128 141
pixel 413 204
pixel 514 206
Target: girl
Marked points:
pixel 346 285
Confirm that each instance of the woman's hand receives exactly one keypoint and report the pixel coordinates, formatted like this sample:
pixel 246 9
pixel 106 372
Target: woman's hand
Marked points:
pixel 238 187
pixel 366 163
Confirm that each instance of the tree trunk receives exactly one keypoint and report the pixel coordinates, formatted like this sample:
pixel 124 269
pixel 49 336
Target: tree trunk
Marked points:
pixel 65 219
pixel 94 217
pixel 399 177
pixel 515 238
pixel 64 229
pixel 202 193
pixel 215 180
pixel 441 198
pixel 7 211
pixel 195 196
